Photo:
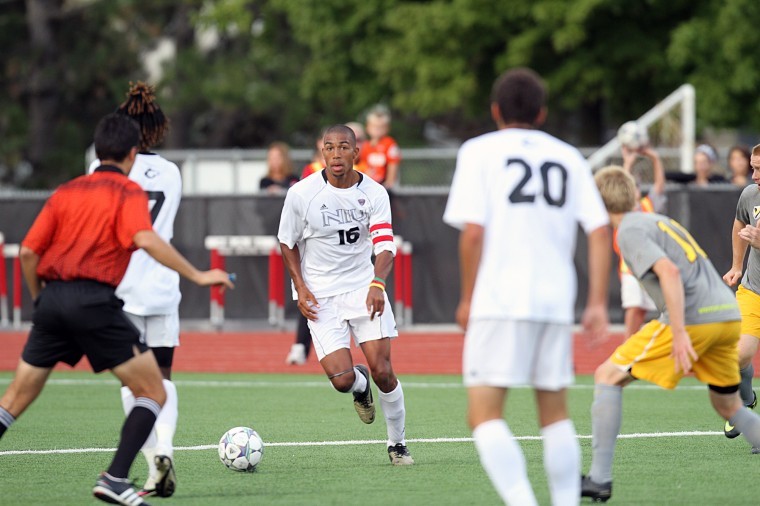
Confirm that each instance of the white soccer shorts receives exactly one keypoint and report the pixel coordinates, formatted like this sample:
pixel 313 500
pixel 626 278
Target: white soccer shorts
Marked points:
pixel 157 331
pixel 633 295
pixel 345 315
pixel 510 353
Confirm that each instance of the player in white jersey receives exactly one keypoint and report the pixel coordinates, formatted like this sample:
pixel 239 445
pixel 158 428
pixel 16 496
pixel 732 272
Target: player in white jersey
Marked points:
pixel 149 290
pixel 331 224
pixel 518 195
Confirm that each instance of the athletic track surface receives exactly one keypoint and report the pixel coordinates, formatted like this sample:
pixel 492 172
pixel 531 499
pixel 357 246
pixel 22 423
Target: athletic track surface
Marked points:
pixel 265 351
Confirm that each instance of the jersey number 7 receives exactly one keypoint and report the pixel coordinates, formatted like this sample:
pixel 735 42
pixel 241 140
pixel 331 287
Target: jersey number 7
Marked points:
pixel 157 198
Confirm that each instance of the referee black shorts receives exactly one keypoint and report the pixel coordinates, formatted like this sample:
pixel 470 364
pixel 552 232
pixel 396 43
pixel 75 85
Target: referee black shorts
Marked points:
pixel 82 317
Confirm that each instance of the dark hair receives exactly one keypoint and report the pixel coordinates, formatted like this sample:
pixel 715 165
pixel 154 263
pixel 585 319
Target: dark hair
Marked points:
pixel 520 94
pixel 115 136
pixel 746 153
pixel 341 129
pixel 141 106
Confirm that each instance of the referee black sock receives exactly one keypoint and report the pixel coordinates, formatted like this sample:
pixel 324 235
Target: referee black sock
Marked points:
pixel 6 419
pixel 134 432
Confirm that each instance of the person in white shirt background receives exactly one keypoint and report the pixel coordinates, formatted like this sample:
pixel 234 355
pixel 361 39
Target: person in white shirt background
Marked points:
pixel 517 197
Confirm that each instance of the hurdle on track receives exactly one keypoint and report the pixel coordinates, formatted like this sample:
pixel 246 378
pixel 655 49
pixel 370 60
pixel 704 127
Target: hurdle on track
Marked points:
pixel 10 251
pixel 221 246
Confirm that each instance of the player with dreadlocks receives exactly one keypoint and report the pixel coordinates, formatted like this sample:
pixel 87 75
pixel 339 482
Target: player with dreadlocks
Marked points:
pixel 149 290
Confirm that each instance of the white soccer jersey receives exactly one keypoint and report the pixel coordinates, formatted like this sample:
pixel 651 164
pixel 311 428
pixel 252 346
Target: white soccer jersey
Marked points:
pixel 149 288
pixel 336 231
pixel 529 191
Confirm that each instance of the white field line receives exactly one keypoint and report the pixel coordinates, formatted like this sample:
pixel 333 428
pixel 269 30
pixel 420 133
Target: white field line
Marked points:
pixel 316 384
pixel 639 435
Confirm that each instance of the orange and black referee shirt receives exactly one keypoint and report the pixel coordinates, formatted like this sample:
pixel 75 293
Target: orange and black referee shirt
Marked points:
pixel 86 229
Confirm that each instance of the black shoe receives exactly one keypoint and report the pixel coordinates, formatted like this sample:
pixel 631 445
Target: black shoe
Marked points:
pixel 117 491
pixel 166 483
pixel 363 403
pixel 399 455
pixel 598 492
pixel 729 430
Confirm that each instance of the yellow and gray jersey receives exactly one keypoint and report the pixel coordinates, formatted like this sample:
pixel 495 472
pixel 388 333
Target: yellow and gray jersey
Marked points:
pixel 748 212
pixel 644 238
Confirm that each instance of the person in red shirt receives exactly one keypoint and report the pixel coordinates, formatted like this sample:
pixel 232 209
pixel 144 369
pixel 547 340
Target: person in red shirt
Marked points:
pixel 379 156
pixel 72 259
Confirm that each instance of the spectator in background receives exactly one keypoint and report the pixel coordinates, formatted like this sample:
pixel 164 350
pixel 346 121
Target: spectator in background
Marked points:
pixel 317 162
pixel 358 129
pixel 380 155
pixel 705 166
pixel 280 175
pixel 361 139
pixel 635 301
pixel 738 164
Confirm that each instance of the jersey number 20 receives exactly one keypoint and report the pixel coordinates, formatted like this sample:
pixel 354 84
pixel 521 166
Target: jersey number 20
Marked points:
pixel 553 196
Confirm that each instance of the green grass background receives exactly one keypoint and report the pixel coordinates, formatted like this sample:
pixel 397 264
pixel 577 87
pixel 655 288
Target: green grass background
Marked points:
pixel 87 413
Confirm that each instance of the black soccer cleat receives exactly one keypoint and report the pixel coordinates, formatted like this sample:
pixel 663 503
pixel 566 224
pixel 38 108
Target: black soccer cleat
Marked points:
pixel 730 431
pixel 598 492
pixel 166 483
pixel 399 455
pixel 363 403
pixel 117 491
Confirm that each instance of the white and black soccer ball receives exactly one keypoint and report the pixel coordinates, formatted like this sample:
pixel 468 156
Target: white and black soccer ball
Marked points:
pixel 241 449
pixel 632 135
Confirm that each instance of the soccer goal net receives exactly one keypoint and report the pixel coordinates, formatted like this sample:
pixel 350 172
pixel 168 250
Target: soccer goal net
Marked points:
pixel 671 128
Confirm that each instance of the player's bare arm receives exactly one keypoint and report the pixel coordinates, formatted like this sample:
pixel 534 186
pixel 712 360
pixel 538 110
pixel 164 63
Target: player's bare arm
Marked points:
pixel 307 303
pixel 658 171
pixel 29 260
pixel 595 319
pixel 167 255
pixel 738 251
pixel 470 250
pixel 375 294
pixel 672 289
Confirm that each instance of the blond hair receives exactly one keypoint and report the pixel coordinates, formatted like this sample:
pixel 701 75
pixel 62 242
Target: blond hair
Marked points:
pixel 756 150
pixel 617 187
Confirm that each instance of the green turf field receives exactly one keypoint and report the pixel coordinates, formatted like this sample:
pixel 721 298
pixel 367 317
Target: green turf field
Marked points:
pixel 665 459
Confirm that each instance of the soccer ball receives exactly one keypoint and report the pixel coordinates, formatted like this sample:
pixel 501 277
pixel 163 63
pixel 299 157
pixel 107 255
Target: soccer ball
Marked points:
pixel 241 449
pixel 632 136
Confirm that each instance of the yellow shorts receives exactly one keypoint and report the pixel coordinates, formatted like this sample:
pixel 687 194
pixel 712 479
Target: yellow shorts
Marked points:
pixel 646 354
pixel 749 306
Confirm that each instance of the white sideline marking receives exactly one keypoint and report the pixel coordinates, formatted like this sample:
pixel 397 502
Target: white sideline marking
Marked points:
pixel 638 435
pixel 319 384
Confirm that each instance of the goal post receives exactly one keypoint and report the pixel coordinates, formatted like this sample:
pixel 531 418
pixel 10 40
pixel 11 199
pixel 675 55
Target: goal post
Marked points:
pixel 684 97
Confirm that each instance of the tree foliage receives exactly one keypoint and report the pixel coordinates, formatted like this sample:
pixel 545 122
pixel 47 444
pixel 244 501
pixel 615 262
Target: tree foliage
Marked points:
pixel 247 72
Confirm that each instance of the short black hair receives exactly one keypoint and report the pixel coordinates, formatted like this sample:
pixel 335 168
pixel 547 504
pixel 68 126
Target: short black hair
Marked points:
pixel 115 135
pixel 520 94
pixel 341 129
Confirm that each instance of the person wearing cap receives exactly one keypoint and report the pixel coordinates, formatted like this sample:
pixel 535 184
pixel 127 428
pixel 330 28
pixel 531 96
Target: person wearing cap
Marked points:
pixel 705 166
